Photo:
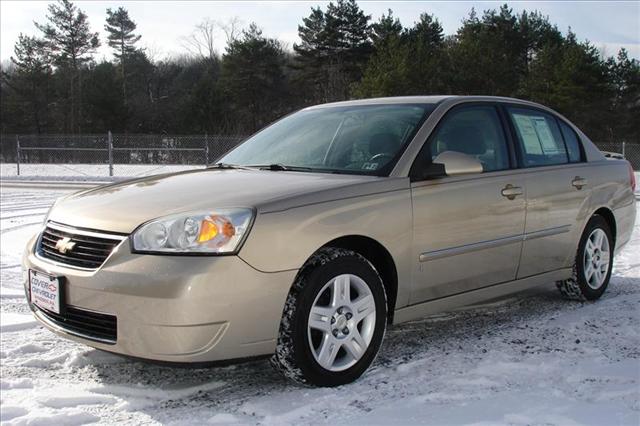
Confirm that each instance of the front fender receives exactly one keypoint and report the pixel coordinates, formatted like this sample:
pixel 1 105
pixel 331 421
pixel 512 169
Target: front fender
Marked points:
pixel 284 240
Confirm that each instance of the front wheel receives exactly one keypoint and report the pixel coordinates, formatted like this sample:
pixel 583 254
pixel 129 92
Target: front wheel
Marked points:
pixel 334 320
pixel 593 265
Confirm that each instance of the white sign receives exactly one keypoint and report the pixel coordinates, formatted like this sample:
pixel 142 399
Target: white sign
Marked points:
pixel 45 291
pixel 528 134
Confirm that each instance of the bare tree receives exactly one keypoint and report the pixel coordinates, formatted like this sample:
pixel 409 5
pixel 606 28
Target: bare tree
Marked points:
pixel 154 52
pixel 232 29
pixel 202 41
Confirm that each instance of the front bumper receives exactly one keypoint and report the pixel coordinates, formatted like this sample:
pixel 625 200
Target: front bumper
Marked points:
pixel 175 308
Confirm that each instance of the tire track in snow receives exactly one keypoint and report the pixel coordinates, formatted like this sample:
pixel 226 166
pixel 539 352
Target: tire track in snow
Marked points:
pixel 23 225
pixel 42 213
pixel 9 266
pixel 14 208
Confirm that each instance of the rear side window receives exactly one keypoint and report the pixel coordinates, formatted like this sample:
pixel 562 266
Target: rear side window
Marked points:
pixel 539 137
pixel 572 142
pixel 475 131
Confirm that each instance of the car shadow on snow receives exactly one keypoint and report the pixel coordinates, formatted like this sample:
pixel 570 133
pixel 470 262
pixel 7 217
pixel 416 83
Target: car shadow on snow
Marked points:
pixel 167 393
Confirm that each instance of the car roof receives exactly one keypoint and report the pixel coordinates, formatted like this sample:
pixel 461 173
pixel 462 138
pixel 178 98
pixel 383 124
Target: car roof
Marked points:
pixel 422 100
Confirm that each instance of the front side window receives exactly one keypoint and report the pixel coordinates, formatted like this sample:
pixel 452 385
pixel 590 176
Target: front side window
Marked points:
pixel 362 139
pixel 475 131
pixel 539 138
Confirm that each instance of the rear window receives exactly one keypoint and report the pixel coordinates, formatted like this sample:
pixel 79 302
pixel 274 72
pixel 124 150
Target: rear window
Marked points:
pixel 572 142
pixel 539 136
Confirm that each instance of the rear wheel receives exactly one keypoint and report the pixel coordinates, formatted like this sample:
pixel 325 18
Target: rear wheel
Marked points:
pixel 334 320
pixel 594 261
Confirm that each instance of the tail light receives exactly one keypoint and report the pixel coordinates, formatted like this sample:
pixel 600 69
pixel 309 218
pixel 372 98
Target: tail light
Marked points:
pixel 632 178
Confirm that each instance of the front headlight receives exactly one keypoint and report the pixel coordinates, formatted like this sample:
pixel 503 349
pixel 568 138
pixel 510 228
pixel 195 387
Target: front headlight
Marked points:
pixel 215 232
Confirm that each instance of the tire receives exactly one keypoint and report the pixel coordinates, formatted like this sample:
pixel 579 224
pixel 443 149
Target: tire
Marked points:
pixel 332 349
pixel 592 268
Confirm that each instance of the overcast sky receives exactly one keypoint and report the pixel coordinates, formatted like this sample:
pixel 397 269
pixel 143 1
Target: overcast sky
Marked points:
pixel 607 24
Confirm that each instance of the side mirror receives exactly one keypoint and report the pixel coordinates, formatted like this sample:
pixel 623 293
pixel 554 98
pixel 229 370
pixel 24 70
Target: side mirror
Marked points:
pixel 456 163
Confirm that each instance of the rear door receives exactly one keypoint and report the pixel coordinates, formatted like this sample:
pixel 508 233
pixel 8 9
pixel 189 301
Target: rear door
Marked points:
pixel 557 189
pixel 467 229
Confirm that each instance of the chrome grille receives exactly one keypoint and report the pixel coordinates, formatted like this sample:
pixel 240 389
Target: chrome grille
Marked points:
pixel 76 247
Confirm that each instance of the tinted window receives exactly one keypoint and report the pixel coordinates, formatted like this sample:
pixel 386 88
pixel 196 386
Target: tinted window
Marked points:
pixel 540 139
pixel 361 139
pixel 475 131
pixel 572 143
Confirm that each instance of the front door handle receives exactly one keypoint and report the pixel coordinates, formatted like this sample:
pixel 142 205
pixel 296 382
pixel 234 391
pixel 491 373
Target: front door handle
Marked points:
pixel 511 192
pixel 578 182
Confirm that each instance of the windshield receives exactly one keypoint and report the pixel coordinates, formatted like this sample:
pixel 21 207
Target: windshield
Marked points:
pixel 364 139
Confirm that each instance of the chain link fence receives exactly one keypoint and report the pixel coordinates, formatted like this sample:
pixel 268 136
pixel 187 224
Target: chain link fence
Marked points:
pixel 132 155
pixel 109 155
pixel 630 151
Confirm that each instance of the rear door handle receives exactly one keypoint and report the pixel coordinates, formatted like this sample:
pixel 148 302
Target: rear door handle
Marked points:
pixel 511 192
pixel 579 182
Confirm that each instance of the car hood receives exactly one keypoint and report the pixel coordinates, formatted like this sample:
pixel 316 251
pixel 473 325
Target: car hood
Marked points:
pixel 122 207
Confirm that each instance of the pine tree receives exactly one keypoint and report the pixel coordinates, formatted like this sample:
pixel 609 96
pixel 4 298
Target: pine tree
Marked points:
pixel 625 78
pixel 122 40
pixel 387 73
pixel 487 56
pixel 70 42
pixel 253 79
pixel 427 31
pixel 312 55
pixel 427 70
pixel 30 79
pixel 120 30
pixel 335 48
pixel 386 28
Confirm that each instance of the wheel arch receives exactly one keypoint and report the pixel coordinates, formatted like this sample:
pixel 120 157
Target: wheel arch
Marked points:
pixel 608 215
pixel 381 260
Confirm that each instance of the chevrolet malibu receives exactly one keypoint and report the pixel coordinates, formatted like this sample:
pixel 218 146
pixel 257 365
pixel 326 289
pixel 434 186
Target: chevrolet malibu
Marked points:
pixel 310 238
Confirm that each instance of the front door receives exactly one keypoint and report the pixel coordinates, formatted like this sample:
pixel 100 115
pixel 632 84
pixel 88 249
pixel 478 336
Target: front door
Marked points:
pixel 467 229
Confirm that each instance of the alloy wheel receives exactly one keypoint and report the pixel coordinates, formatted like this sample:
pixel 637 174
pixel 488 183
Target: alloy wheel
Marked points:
pixel 341 322
pixel 596 258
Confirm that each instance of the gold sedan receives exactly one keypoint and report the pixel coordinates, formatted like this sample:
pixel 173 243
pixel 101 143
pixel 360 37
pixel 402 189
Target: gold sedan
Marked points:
pixel 310 238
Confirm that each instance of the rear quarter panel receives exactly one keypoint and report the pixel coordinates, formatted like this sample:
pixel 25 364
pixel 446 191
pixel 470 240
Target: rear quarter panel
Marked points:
pixel 610 188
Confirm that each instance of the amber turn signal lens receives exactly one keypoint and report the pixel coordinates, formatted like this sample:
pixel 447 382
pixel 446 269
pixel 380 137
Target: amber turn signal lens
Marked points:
pixel 208 230
pixel 213 226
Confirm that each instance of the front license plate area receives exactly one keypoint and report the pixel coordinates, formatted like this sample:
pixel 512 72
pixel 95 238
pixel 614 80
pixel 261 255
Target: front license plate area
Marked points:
pixel 45 291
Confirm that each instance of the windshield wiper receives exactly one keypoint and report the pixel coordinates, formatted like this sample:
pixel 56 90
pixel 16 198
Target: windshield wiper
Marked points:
pixel 228 166
pixel 278 167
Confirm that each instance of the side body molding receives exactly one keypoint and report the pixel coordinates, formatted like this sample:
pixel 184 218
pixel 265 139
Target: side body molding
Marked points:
pixel 453 251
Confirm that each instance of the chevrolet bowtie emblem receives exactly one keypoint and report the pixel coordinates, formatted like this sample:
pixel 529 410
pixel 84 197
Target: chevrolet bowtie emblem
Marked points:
pixel 64 245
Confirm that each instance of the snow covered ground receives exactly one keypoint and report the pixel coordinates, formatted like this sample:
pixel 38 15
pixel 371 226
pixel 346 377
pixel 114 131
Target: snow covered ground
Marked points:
pixel 86 171
pixel 95 172
pixel 530 359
